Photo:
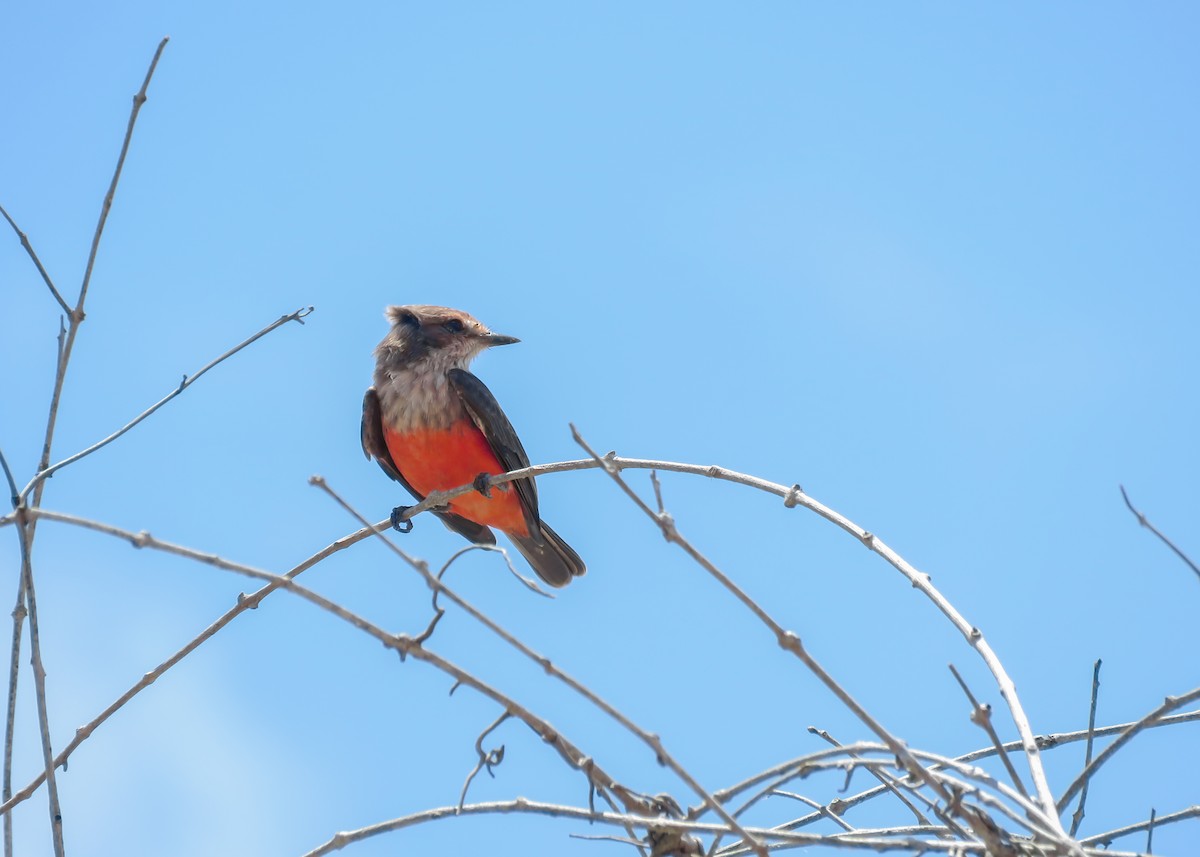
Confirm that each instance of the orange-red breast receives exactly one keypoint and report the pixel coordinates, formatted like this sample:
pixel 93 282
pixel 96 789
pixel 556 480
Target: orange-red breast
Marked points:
pixel 432 425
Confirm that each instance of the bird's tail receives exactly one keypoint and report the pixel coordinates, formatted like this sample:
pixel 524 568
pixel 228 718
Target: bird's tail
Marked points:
pixel 553 559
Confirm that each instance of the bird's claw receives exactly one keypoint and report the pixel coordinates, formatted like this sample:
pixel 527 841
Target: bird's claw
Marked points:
pixel 483 484
pixel 398 524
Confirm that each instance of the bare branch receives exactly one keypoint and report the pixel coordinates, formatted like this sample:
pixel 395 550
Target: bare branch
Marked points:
pixel 887 781
pixel 1046 742
pixel 864 840
pixel 981 716
pixel 244 603
pixel 66 307
pixel 649 738
pixel 794 496
pixel 787 640
pixel 822 808
pixel 1103 839
pixel 297 316
pixel 488 759
pixel 1169 705
pixel 39 685
pixel 1146 523
pixel 403 644
pixel 1077 817
pixel 138 100
pixel 12 483
pixel 28 525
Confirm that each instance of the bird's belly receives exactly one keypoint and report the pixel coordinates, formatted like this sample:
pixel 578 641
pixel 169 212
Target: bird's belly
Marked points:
pixel 440 459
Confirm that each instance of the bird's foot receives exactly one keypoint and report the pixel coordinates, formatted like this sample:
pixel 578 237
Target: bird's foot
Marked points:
pixel 398 524
pixel 483 484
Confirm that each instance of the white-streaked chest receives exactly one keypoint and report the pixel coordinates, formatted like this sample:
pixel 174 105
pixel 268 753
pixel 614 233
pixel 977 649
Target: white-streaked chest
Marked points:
pixel 411 399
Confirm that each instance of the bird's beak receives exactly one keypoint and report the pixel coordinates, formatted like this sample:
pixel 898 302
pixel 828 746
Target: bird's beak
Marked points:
pixel 499 339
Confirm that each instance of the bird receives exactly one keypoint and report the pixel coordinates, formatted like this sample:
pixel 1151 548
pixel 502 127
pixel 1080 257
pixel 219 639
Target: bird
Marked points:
pixel 431 425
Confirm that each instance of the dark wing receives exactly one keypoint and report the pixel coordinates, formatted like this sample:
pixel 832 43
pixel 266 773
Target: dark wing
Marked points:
pixel 374 446
pixel 501 436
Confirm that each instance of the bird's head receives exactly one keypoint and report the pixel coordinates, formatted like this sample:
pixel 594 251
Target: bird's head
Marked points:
pixel 451 336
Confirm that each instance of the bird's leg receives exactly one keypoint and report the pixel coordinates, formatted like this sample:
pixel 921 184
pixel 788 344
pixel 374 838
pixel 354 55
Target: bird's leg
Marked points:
pixel 398 524
pixel 483 484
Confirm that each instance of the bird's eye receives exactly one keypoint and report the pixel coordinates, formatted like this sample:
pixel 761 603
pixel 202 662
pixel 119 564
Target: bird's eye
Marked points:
pixel 453 326
pixel 409 319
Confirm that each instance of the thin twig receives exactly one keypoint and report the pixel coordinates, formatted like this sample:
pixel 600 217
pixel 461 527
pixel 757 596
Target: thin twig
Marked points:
pixel 488 759
pixel 981 716
pixel 887 781
pixel 787 640
pixel 793 496
pixel 1103 839
pixel 66 307
pixel 1146 523
pixel 818 806
pixel 12 483
pixel 29 525
pixel 297 316
pixel 1150 833
pixel 404 645
pixel 138 100
pixel 1046 742
pixel 522 805
pixel 39 684
pixel 1034 820
pixel 860 840
pixel 1169 705
pixel 1077 817
pixel 244 603
pixel 649 738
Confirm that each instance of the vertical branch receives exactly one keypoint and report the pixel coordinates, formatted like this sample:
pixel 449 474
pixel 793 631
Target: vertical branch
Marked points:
pixel 1077 817
pixel 39 682
pixel 26 599
pixel 14 669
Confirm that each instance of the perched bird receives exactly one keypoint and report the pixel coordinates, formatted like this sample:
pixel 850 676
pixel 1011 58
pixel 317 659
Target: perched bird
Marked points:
pixel 432 426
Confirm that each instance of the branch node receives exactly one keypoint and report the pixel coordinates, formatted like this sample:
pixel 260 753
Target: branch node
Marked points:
pixel 667 524
pixel 790 642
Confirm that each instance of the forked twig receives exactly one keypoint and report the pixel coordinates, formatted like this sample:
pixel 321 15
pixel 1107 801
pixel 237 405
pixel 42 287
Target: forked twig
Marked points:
pixel 1103 839
pixel 1169 705
pixel 244 603
pixel 649 738
pixel 981 716
pixel 26 600
pixel 297 316
pixel 487 759
pixel 789 641
pixel 886 781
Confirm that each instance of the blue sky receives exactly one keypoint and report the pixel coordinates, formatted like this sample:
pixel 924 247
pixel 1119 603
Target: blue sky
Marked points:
pixel 934 262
